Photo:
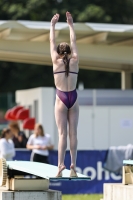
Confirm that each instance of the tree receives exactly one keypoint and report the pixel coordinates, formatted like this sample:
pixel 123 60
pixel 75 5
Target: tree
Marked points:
pixel 112 11
pixel 15 76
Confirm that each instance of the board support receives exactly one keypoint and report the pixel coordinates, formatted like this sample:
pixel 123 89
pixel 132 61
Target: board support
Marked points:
pixel 30 195
pixel 29 184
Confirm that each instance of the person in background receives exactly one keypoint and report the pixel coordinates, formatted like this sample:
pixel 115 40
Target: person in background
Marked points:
pixel 19 137
pixel 40 144
pixel 7 150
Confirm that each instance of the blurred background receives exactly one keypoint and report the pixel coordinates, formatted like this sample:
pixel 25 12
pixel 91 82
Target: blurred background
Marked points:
pixel 105 43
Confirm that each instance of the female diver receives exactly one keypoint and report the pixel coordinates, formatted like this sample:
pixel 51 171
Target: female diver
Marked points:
pixel 65 68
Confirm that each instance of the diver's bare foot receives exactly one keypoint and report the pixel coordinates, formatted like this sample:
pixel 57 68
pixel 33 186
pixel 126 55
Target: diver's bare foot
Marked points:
pixel 73 171
pixel 61 168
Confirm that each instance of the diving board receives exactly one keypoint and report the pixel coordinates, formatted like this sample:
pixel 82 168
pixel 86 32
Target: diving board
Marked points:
pixel 13 175
pixel 42 170
pixel 128 162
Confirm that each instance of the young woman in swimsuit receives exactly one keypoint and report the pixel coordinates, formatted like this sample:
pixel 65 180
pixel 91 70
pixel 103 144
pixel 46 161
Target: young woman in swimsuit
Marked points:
pixel 65 68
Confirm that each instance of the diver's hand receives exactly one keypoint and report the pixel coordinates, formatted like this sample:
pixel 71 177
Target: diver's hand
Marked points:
pixel 69 18
pixel 55 19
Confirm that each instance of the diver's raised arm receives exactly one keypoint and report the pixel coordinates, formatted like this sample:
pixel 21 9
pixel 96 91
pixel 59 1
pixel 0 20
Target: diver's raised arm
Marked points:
pixel 72 35
pixel 53 49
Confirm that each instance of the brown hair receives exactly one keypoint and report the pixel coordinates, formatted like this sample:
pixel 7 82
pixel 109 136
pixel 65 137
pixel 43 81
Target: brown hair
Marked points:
pixel 64 50
pixel 4 132
pixel 14 125
pixel 41 128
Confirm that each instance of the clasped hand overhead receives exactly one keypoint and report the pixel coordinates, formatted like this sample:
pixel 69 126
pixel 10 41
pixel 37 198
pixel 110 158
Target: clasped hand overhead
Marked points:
pixel 69 18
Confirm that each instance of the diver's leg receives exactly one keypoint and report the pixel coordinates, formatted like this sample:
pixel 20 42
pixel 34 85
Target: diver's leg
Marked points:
pixel 61 121
pixel 73 116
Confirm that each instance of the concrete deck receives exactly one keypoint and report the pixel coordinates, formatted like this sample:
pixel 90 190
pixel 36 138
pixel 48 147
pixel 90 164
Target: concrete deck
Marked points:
pixel 30 195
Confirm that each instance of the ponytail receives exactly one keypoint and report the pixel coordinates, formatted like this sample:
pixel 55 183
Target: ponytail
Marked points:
pixel 64 50
pixel 66 63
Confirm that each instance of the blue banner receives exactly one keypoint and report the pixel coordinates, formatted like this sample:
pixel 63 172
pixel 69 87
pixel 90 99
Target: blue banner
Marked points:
pixel 88 163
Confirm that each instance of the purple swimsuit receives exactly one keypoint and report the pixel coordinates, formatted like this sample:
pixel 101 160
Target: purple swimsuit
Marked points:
pixel 68 98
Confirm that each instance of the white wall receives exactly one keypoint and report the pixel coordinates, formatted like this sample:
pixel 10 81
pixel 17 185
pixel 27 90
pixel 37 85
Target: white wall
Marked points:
pixel 103 126
pixel 121 125
pixel 85 128
pixel 99 126
pixel 45 98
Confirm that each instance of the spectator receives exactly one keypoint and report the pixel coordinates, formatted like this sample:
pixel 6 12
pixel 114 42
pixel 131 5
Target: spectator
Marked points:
pixel 40 144
pixel 19 137
pixel 7 150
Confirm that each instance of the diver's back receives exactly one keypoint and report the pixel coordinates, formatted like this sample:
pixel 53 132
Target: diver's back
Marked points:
pixel 63 82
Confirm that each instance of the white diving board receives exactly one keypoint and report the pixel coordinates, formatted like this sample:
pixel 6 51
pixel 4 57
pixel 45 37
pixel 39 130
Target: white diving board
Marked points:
pixel 45 171
pixel 128 162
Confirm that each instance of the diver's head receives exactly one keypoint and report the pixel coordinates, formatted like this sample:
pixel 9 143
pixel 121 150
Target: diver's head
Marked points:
pixel 63 48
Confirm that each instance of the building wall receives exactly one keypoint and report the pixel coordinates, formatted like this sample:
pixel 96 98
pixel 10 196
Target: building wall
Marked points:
pixel 102 126
pixel 44 99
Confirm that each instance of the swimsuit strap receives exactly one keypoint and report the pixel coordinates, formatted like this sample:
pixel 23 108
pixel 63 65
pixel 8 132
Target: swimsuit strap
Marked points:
pixel 59 72
pixel 64 72
pixel 73 72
